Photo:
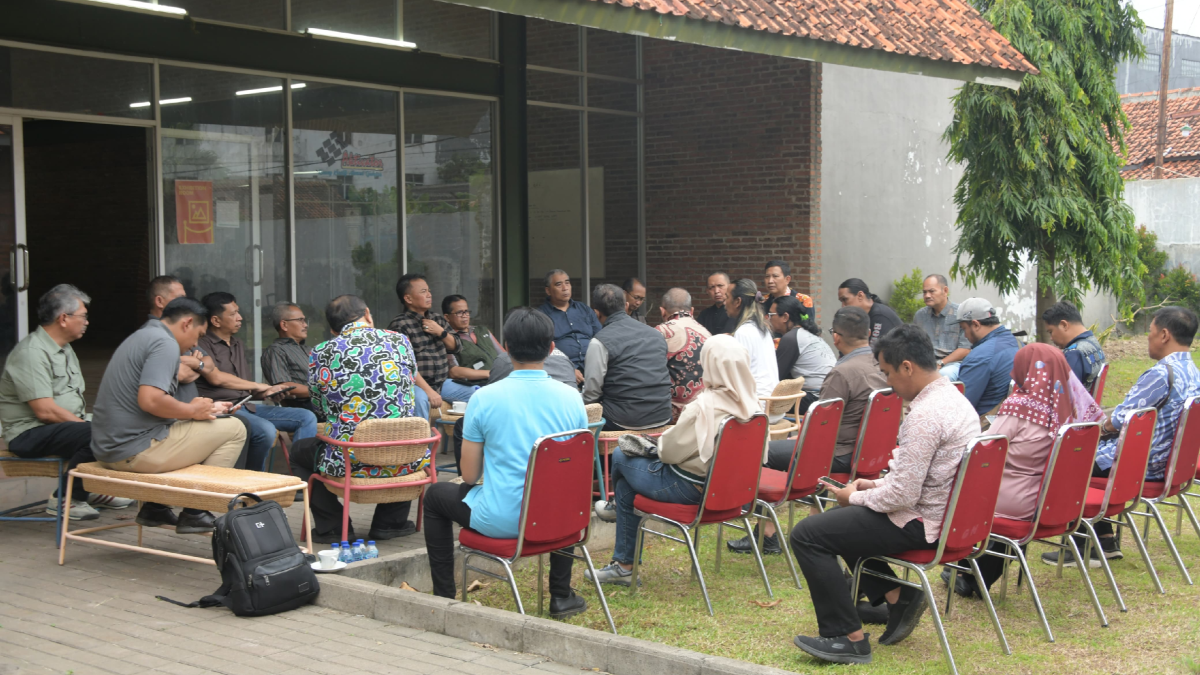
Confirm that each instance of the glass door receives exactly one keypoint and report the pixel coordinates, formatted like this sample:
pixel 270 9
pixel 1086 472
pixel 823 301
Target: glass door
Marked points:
pixel 14 256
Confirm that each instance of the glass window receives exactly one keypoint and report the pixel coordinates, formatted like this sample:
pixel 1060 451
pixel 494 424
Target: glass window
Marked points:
pixel 224 196
pixel 449 29
pixel 259 13
pixel 612 95
pixel 550 44
pixel 8 241
pixel 611 53
pixel 375 18
pixel 556 202
pixel 1151 62
pixel 612 162
pixel 74 84
pixel 1191 68
pixel 346 191
pixel 552 87
pixel 450 219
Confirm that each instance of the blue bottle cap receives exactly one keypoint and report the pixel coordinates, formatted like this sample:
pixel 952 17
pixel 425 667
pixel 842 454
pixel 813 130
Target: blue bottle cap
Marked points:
pixel 345 543
pixel 336 546
pixel 370 543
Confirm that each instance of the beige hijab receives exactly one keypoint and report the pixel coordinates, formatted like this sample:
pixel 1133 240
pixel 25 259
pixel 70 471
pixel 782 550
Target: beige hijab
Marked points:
pixel 729 389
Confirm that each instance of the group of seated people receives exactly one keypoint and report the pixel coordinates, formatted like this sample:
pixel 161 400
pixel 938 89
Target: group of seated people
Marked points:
pixel 172 396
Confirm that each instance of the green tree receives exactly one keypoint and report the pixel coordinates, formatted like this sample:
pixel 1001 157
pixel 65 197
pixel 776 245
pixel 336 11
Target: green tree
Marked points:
pixel 906 295
pixel 1041 180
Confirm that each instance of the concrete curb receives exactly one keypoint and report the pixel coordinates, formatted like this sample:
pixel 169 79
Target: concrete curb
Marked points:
pixel 563 643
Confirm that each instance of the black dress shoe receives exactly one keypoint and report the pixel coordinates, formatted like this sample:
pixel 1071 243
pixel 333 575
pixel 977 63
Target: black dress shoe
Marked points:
pixel 156 515
pixel 381 535
pixel 903 616
pixel 770 545
pixel 964 584
pixel 192 521
pixel 561 608
pixel 334 537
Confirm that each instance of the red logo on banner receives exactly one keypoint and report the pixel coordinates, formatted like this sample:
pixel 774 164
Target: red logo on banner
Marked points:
pixel 194 211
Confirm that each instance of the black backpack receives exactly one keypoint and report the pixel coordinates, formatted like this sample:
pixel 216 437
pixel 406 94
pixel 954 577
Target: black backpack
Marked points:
pixel 263 571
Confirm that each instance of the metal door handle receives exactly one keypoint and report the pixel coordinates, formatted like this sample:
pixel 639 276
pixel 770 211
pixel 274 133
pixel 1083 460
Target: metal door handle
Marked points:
pixel 256 279
pixel 24 267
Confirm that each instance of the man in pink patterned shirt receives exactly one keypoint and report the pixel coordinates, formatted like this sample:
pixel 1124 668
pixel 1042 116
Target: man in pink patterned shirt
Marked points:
pixel 901 512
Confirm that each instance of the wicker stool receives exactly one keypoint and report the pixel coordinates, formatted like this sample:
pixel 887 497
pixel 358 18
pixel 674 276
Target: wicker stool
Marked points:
pixel 209 488
pixel 42 467
pixel 445 422
pixel 607 439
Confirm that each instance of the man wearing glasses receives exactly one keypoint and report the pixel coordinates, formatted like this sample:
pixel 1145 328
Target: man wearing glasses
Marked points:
pixel 285 361
pixel 471 366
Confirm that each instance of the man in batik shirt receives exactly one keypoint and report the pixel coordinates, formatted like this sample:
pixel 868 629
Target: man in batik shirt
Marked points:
pixel 684 337
pixel 361 373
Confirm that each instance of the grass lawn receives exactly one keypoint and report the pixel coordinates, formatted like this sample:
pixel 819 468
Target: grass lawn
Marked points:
pixel 1159 634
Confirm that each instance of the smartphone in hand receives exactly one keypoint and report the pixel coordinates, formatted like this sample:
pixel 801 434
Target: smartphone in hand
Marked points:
pixel 829 481
pixel 235 406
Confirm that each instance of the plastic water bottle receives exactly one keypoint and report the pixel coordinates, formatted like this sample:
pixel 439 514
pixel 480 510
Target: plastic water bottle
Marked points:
pixel 372 552
pixel 358 550
pixel 336 548
pixel 347 555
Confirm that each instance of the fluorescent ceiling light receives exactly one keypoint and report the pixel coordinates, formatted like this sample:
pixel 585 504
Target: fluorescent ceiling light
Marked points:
pixel 268 90
pixel 301 173
pixel 351 37
pixel 165 101
pixel 134 5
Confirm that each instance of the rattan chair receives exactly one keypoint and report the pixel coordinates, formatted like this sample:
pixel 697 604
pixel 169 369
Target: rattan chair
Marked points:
pixel 42 467
pixel 784 398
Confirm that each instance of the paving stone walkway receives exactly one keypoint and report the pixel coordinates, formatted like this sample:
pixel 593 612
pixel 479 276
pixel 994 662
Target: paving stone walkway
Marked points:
pixel 98 614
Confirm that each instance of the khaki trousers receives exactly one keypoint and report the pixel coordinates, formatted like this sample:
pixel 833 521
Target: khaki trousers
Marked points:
pixel 212 443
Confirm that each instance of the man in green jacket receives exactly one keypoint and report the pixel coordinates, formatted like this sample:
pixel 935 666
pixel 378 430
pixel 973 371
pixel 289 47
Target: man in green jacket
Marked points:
pixel 470 367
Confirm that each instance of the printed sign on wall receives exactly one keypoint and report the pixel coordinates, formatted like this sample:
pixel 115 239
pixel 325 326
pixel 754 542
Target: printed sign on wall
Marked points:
pixel 194 211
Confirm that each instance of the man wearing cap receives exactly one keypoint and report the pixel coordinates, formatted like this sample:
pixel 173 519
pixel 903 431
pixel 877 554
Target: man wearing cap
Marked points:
pixel 987 370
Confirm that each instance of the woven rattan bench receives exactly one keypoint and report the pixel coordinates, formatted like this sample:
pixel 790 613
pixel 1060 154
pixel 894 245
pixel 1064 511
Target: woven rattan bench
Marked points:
pixel 209 488
pixel 43 467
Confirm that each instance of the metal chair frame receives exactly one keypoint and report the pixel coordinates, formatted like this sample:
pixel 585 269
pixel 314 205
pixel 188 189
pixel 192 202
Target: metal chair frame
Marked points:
pixel 507 563
pixel 686 529
pixel 922 568
pixel 1067 544
pixel 1098 382
pixel 858 444
pixel 62 491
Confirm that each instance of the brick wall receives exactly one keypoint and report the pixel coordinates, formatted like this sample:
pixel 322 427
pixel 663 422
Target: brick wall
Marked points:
pixel 733 162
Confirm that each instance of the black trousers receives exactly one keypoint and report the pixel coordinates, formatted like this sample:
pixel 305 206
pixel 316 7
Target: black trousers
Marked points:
pixel 852 532
pixel 779 456
pixel 326 509
pixel 72 440
pixel 444 506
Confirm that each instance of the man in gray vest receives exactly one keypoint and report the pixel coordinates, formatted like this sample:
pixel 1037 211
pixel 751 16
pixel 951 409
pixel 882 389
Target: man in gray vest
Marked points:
pixel 1080 347
pixel 625 368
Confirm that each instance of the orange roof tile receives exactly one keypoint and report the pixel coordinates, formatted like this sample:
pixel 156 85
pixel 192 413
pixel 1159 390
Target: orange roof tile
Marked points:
pixel 940 30
pixel 1181 154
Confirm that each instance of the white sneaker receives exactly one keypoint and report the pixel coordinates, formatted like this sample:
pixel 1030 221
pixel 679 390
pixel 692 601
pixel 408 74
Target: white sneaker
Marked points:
pixel 79 510
pixel 606 511
pixel 100 501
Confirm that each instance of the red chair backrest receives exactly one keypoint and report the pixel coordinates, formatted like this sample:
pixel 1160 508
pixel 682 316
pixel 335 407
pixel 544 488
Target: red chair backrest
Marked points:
pixel 1068 473
pixel 1181 464
pixel 1097 388
pixel 1133 453
pixel 736 464
pixel 972 505
pixel 960 386
pixel 558 487
pixel 878 432
pixel 816 444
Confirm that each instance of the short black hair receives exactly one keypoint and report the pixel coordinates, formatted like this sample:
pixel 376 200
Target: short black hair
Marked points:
pixel 608 299
pixel 940 278
pixel 215 303
pixel 723 273
pixel 404 283
pixel 1061 311
pixel 627 285
pixel 990 321
pixel 159 285
pixel 528 335
pixel 1180 322
pixel 852 322
pixel 907 343
pixel 343 311
pixel 450 300
pixel 783 267
pixel 182 307
pixel 553 273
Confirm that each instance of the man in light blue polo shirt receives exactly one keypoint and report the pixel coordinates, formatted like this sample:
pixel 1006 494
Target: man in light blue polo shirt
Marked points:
pixel 502 422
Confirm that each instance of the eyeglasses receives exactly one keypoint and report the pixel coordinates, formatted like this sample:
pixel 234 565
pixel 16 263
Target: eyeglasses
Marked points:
pixel 833 332
pixel 462 313
pixel 83 316
pixel 770 314
pixel 303 320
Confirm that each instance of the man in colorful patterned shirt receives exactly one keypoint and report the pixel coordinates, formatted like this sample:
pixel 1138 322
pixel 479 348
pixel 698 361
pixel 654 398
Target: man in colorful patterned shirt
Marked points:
pixel 684 337
pixel 361 373
pixel 1165 387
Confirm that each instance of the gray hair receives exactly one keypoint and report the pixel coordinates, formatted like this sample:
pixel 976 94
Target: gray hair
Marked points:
pixel 278 311
pixel 676 300
pixel 941 279
pixel 58 301
pixel 553 273
pixel 608 299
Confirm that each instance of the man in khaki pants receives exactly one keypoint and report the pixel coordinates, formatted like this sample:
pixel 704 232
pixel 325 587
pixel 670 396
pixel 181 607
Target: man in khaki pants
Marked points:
pixel 139 426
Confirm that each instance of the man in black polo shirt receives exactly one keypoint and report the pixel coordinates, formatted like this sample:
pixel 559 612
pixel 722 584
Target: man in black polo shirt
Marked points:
pixel 715 319
pixel 854 293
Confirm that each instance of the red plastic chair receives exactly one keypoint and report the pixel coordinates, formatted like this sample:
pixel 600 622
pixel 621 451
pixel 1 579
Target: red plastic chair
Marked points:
pixel 969 516
pixel 556 514
pixel 877 436
pixel 811 459
pixel 1097 388
pixel 960 386
pixel 1111 498
pixel 1181 469
pixel 344 485
pixel 732 482
pixel 1058 513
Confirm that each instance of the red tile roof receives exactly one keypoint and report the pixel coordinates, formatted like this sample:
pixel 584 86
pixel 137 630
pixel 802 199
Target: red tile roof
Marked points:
pixel 1181 154
pixel 941 30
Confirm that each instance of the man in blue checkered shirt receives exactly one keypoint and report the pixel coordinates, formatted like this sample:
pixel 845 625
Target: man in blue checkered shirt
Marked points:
pixel 1166 386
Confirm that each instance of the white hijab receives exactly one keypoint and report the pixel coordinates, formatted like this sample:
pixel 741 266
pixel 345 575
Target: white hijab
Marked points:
pixel 729 389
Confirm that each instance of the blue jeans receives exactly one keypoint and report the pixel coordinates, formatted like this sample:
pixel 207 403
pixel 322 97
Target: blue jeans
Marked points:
pixel 263 423
pixel 453 391
pixel 632 476
pixel 950 370
pixel 422 403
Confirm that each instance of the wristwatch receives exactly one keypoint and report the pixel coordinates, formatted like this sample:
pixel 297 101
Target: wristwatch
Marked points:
pixel 444 334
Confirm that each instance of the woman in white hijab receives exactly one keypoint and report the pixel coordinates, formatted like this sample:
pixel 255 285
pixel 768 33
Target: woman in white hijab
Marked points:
pixel 684 452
